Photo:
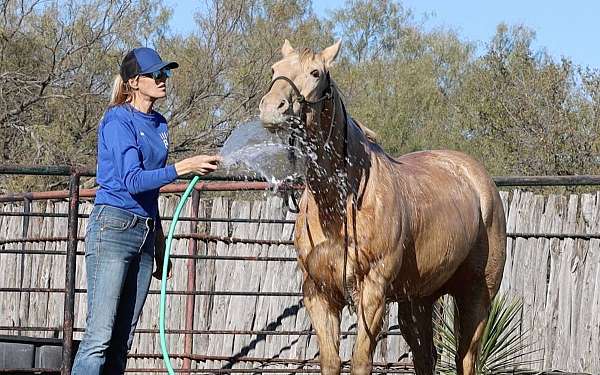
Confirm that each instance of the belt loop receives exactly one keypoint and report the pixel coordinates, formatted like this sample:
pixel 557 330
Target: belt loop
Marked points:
pixel 134 221
pixel 100 209
pixel 148 222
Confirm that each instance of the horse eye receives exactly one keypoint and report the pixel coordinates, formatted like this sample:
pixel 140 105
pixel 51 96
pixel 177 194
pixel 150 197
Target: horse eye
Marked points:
pixel 315 73
pixel 272 71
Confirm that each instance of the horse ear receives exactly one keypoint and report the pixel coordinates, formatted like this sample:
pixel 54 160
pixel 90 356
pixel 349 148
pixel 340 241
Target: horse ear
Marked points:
pixel 287 48
pixel 330 53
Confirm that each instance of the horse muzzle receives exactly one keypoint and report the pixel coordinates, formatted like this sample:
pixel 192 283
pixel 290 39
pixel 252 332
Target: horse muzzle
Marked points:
pixel 273 120
pixel 280 121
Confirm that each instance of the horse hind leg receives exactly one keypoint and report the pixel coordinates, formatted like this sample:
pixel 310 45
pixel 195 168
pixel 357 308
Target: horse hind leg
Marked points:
pixel 480 279
pixel 471 313
pixel 473 301
pixel 415 321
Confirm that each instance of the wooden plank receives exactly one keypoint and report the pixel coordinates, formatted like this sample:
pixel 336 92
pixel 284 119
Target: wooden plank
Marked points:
pixel 505 196
pixel 521 245
pixel 238 311
pixel 567 251
pixel 54 271
pixel 9 274
pixel 536 295
pixel 282 312
pixel 263 283
pixel 205 272
pixel 583 340
pixel 553 289
pixel 530 261
pixel 275 313
pixel 507 278
pixel 594 322
pixel 81 274
pixel 219 303
pixel 306 346
pixel 27 300
pixel 594 308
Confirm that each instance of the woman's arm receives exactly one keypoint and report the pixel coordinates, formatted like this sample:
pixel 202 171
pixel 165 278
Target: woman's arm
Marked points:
pixel 200 165
pixel 120 140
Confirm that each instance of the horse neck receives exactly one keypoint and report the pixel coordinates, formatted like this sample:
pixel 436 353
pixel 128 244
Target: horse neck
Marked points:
pixel 329 176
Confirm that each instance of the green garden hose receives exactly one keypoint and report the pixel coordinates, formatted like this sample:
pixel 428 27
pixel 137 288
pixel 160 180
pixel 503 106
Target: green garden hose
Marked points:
pixel 165 270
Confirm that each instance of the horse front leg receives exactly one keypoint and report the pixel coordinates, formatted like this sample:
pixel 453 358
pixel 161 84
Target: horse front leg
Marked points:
pixel 324 314
pixel 371 308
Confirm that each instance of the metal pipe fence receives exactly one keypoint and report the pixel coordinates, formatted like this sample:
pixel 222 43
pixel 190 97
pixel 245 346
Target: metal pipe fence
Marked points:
pixel 217 184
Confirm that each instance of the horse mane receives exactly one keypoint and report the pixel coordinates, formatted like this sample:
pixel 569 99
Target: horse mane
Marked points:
pixel 370 134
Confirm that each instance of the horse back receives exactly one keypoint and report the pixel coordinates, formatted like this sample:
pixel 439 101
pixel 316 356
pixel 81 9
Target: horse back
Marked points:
pixel 446 201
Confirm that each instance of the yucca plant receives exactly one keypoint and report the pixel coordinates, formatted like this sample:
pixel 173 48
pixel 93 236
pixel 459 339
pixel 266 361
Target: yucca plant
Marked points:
pixel 504 346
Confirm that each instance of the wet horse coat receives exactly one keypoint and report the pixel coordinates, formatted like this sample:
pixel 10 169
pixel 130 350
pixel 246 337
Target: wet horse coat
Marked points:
pixel 372 228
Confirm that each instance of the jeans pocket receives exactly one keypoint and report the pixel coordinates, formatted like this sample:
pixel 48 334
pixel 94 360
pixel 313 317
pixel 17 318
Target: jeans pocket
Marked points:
pixel 116 223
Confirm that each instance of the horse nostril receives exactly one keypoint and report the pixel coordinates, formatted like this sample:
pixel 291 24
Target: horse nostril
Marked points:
pixel 282 105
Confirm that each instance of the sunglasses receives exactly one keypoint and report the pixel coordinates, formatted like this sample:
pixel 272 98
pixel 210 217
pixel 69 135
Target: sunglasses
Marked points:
pixel 159 74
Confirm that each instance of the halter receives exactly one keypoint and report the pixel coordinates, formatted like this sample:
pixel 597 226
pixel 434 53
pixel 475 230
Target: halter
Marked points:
pixel 299 97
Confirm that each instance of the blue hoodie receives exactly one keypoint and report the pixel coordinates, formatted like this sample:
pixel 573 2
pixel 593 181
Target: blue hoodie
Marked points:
pixel 132 152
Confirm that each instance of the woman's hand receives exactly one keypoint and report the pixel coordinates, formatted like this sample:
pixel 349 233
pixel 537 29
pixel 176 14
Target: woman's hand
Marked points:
pixel 159 256
pixel 200 165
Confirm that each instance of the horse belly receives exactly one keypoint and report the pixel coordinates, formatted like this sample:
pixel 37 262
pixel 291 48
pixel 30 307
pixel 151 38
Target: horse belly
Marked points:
pixel 436 255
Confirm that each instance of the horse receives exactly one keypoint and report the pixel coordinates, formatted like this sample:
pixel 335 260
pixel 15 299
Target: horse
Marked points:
pixel 373 229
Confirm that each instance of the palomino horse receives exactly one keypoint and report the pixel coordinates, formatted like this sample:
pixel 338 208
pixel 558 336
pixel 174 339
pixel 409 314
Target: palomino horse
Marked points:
pixel 373 228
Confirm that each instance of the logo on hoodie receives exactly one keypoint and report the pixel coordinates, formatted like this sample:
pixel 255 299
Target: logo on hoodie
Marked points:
pixel 165 139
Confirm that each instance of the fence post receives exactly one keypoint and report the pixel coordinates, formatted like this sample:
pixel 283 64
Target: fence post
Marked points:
pixel 191 283
pixel 69 310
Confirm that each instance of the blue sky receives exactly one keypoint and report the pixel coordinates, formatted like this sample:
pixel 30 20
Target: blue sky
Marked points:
pixel 569 28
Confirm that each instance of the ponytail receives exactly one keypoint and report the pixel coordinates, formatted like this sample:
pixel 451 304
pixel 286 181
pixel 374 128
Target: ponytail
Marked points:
pixel 121 92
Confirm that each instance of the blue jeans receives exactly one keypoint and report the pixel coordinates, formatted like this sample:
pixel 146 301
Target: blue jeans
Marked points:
pixel 119 255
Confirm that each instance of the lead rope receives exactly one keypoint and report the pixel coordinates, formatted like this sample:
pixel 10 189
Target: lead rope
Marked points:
pixel 347 292
pixel 349 298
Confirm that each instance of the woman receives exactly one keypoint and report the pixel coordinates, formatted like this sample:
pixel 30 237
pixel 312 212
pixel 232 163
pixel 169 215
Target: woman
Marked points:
pixel 124 232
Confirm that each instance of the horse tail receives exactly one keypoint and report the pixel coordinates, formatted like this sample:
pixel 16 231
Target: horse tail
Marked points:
pixel 494 227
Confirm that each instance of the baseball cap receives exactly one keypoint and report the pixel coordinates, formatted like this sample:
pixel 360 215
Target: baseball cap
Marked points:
pixel 142 61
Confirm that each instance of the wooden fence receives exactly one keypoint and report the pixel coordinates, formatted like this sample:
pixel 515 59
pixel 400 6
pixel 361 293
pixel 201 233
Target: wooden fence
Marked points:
pixel 557 278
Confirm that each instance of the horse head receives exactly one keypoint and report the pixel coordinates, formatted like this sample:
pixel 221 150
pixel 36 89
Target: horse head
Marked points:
pixel 300 84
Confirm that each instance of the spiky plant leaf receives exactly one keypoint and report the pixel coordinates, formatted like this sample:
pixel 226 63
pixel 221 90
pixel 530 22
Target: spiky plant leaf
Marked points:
pixel 504 347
